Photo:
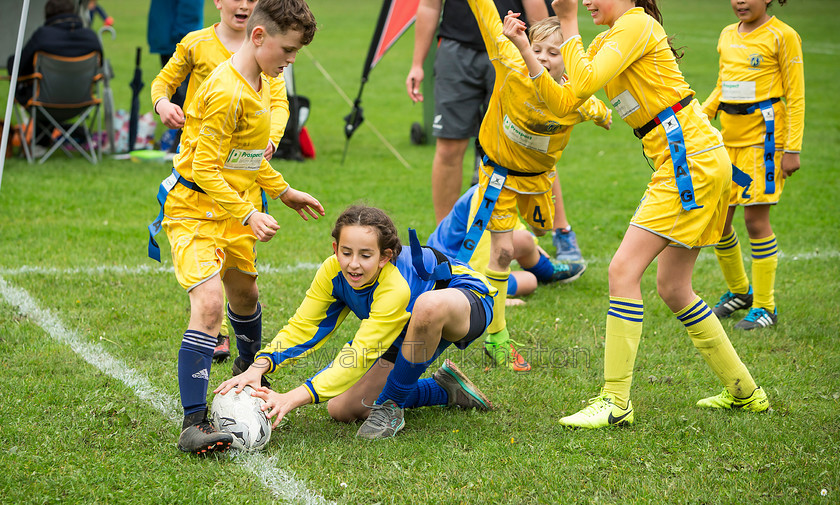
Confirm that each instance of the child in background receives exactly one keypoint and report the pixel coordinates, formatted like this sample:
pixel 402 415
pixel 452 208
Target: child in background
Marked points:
pixel 94 9
pixel 682 210
pixel 387 287
pixel 760 63
pixel 537 268
pixel 211 223
pixel 521 140
pixel 196 56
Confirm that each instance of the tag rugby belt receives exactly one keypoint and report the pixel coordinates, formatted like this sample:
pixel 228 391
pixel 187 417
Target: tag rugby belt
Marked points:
pixel 163 191
pixel 653 123
pixel 742 109
pixel 488 203
pixel 766 107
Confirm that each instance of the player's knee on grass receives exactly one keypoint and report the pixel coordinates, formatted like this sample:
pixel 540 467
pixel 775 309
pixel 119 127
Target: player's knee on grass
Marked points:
pixel 526 283
pixel 342 411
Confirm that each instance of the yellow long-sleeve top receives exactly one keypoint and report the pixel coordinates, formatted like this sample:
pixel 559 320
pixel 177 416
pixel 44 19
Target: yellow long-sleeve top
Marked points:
pixel 519 131
pixel 762 64
pixel 384 307
pixel 197 55
pixel 633 63
pixel 225 134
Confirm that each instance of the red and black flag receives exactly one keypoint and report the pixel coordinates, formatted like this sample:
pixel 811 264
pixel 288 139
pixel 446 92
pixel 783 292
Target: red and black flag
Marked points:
pixel 395 17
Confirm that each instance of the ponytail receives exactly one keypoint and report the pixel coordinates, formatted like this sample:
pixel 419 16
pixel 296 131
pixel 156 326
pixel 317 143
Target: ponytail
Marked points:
pixel 652 10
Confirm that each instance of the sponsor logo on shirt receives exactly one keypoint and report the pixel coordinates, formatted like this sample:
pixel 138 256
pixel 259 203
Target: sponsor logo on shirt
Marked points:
pixel 244 159
pixel 625 104
pixel 737 91
pixel 528 140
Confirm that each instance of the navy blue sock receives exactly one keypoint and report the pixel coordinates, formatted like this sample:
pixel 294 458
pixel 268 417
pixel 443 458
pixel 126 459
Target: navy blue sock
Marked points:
pixel 194 359
pixel 543 270
pixel 427 393
pixel 402 380
pixel 512 285
pixel 248 331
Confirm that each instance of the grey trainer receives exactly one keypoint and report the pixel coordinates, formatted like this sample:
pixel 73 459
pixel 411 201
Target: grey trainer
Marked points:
pixel 384 421
pixel 462 392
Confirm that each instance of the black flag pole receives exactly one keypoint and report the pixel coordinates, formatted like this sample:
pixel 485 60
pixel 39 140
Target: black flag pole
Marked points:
pixel 353 120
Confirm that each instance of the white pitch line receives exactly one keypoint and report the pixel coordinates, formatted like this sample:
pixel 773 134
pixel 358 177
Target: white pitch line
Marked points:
pixel 301 267
pixel 281 483
pixel 141 269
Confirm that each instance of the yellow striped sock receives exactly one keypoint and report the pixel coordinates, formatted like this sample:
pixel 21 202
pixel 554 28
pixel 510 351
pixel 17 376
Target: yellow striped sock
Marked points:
pixel 728 252
pixel 498 280
pixel 765 260
pixel 709 337
pixel 624 331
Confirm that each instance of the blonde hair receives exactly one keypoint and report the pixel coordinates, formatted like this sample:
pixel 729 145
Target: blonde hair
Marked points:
pixel 544 29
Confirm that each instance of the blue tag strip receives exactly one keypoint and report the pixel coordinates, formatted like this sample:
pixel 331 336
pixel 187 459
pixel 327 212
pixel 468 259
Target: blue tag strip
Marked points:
pixel 769 146
pixel 154 228
pixel 676 144
pixel 485 209
pixel 441 272
pixel 742 179
pixel 163 191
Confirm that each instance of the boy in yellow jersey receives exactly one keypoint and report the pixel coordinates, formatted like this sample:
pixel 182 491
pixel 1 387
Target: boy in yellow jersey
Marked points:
pixel 197 54
pixel 760 63
pixel 211 223
pixel 521 141
pixel 682 210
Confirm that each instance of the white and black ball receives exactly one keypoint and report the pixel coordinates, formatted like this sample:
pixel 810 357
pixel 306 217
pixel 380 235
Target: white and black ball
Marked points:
pixel 240 415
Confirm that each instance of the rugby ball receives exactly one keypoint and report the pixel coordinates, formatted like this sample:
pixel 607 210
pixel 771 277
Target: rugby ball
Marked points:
pixel 239 414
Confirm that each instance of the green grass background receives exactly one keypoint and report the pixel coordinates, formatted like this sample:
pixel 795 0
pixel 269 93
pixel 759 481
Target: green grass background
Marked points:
pixel 73 236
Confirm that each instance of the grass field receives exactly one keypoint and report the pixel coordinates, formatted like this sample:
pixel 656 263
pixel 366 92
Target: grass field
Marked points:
pixel 90 327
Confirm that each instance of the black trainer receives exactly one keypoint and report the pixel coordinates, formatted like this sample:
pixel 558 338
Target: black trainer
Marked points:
pixel 200 437
pixel 239 366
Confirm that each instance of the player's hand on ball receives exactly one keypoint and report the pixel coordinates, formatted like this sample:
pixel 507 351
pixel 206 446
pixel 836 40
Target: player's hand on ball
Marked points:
pixel 250 377
pixel 277 405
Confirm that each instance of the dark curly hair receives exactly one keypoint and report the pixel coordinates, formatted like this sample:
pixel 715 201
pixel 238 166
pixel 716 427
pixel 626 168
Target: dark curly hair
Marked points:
pixel 363 215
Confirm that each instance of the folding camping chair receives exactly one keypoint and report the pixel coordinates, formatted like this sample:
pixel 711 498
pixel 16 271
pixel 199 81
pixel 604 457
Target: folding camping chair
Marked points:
pixel 65 89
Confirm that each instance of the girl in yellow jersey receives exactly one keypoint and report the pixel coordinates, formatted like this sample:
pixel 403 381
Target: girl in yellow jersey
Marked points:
pixel 211 224
pixel 408 317
pixel 760 63
pixel 684 206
